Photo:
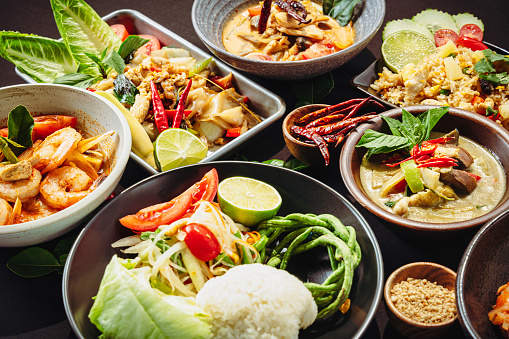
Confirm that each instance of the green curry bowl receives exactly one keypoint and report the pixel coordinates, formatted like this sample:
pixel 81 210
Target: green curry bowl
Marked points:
pixel 451 183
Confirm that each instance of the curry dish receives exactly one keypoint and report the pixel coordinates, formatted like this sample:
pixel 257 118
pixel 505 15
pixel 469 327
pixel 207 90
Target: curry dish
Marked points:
pixel 285 37
pixel 444 200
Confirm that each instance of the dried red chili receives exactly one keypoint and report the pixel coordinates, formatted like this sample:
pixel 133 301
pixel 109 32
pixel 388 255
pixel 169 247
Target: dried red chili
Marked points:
pixel 264 16
pixel 294 9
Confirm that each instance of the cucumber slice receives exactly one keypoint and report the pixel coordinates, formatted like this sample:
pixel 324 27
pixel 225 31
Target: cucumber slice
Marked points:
pixel 435 20
pixel 467 18
pixel 405 25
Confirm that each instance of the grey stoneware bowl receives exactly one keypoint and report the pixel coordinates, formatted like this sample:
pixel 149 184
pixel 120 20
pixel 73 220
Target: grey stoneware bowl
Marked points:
pixel 473 126
pixel 300 193
pixel 482 270
pixel 96 115
pixel 209 16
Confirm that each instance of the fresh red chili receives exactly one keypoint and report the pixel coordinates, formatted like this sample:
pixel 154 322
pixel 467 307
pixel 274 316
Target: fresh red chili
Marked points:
pixel 160 118
pixel 475 176
pixel 439 162
pixel 233 132
pixel 181 105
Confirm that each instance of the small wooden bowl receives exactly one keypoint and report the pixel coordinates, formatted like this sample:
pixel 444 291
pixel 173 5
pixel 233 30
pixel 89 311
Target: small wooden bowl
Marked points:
pixel 419 270
pixel 305 152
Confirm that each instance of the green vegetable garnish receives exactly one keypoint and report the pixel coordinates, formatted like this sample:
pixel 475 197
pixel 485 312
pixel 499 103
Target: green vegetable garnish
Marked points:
pixel 199 67
pixel 341 10
pixel 493 68
pixel 410 131
pixel 313 90
pixel 445 91
pixel 390 204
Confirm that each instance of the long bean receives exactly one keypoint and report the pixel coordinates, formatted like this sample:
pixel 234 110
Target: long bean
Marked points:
pixel 297 233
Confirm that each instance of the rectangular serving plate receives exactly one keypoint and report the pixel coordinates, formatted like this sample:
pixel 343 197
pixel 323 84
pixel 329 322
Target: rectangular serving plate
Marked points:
pixel 265 103
pixel 364 80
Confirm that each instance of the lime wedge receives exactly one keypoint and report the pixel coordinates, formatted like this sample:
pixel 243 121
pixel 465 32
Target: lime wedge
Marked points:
pixel 175 147
pixel 404 47
pixel 248 201
pixel 412 176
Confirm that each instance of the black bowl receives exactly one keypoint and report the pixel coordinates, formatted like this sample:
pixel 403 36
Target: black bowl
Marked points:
pixel 482 270
pixel 92 251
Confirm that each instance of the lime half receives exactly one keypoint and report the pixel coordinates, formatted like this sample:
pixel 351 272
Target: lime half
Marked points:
pixel 248 201
pixel 175 147
pixel 404 47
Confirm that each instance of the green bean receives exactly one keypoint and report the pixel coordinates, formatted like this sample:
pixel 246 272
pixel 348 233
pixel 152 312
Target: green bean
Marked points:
pixel 297 233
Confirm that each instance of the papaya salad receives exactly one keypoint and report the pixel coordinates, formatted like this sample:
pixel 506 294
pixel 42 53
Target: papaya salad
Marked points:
pixel 47 165
pixel 181 247
pixel 156 87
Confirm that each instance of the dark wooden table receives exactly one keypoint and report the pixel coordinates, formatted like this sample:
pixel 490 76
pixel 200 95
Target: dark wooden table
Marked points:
pixel 33 308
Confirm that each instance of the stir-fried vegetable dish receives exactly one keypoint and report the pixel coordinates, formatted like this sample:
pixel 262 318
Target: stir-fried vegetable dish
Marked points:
pixel 286 30
pixel 47 165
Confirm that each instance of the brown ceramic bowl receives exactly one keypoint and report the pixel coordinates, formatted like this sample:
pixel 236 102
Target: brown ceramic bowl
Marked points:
pixel 419 270
pixel 305 152
pixel 473 126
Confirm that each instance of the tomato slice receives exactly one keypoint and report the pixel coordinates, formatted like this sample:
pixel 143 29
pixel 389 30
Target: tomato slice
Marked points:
pixel 317 50
pixel 201 242
pixel 254 11
pixel 473 44
pixel 150 218
pixel 149 47
pixel 45 125
pixel 442 36
pixel 120 30
pixel 472 31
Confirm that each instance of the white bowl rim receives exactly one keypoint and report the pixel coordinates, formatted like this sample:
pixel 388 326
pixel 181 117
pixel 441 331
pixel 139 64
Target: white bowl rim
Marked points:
pixel 117 171
pixel 237 58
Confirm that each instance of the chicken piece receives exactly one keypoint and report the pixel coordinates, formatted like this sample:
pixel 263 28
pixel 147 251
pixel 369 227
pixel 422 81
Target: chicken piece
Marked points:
pixel 309 31
pixel 141 106
pixel 416 83
pixel 276 46
pixel 426 198
pixel 14 172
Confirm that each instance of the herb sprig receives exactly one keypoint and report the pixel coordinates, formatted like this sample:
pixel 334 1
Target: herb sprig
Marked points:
pixel 410 131
pixel 491 68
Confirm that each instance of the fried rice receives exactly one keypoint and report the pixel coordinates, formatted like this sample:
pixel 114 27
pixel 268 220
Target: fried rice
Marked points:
pixel 427 84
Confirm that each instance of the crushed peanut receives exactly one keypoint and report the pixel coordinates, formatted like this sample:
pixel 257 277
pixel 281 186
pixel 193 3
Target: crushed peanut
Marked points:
pixel 424 301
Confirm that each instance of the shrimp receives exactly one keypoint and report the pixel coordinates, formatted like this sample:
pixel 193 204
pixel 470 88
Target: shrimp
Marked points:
pixel 23 189
pixel 33 209
pixel 5 212
pixel 65 186
pixel 53 151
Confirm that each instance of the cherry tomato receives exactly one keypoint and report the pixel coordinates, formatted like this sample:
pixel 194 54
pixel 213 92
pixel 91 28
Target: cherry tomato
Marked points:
pixel 201 242
pixel 45 125
pixel 259 56
pixel 150 218
pixel 442 36
pixel 471 31
pixel 473 44
pixel 317 50
pixel 120 30
pixel 149 47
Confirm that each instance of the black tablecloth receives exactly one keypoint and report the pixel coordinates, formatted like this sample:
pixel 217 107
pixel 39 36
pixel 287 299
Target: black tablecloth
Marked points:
pixel 33 308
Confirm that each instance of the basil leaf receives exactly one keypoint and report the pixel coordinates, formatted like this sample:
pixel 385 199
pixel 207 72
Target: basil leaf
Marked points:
pixel 33 262
pixel 124 89
pixel 20 124
pixel 343 11
pixel 115 61
pixel 414 129
pixel 295 164
pixel 395 126
pixel 430 118
pixel 130 45
pixel 377 142
pixel 80 80
pixel 274 162
pixel 313 90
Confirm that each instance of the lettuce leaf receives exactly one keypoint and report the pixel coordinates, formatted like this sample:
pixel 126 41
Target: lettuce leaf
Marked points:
pixel 43 59
pixel 83 30
pixel 126 306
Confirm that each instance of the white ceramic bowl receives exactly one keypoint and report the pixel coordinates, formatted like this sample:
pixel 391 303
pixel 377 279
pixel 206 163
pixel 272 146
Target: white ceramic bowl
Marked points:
pixel 95 115
pixel 209 16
